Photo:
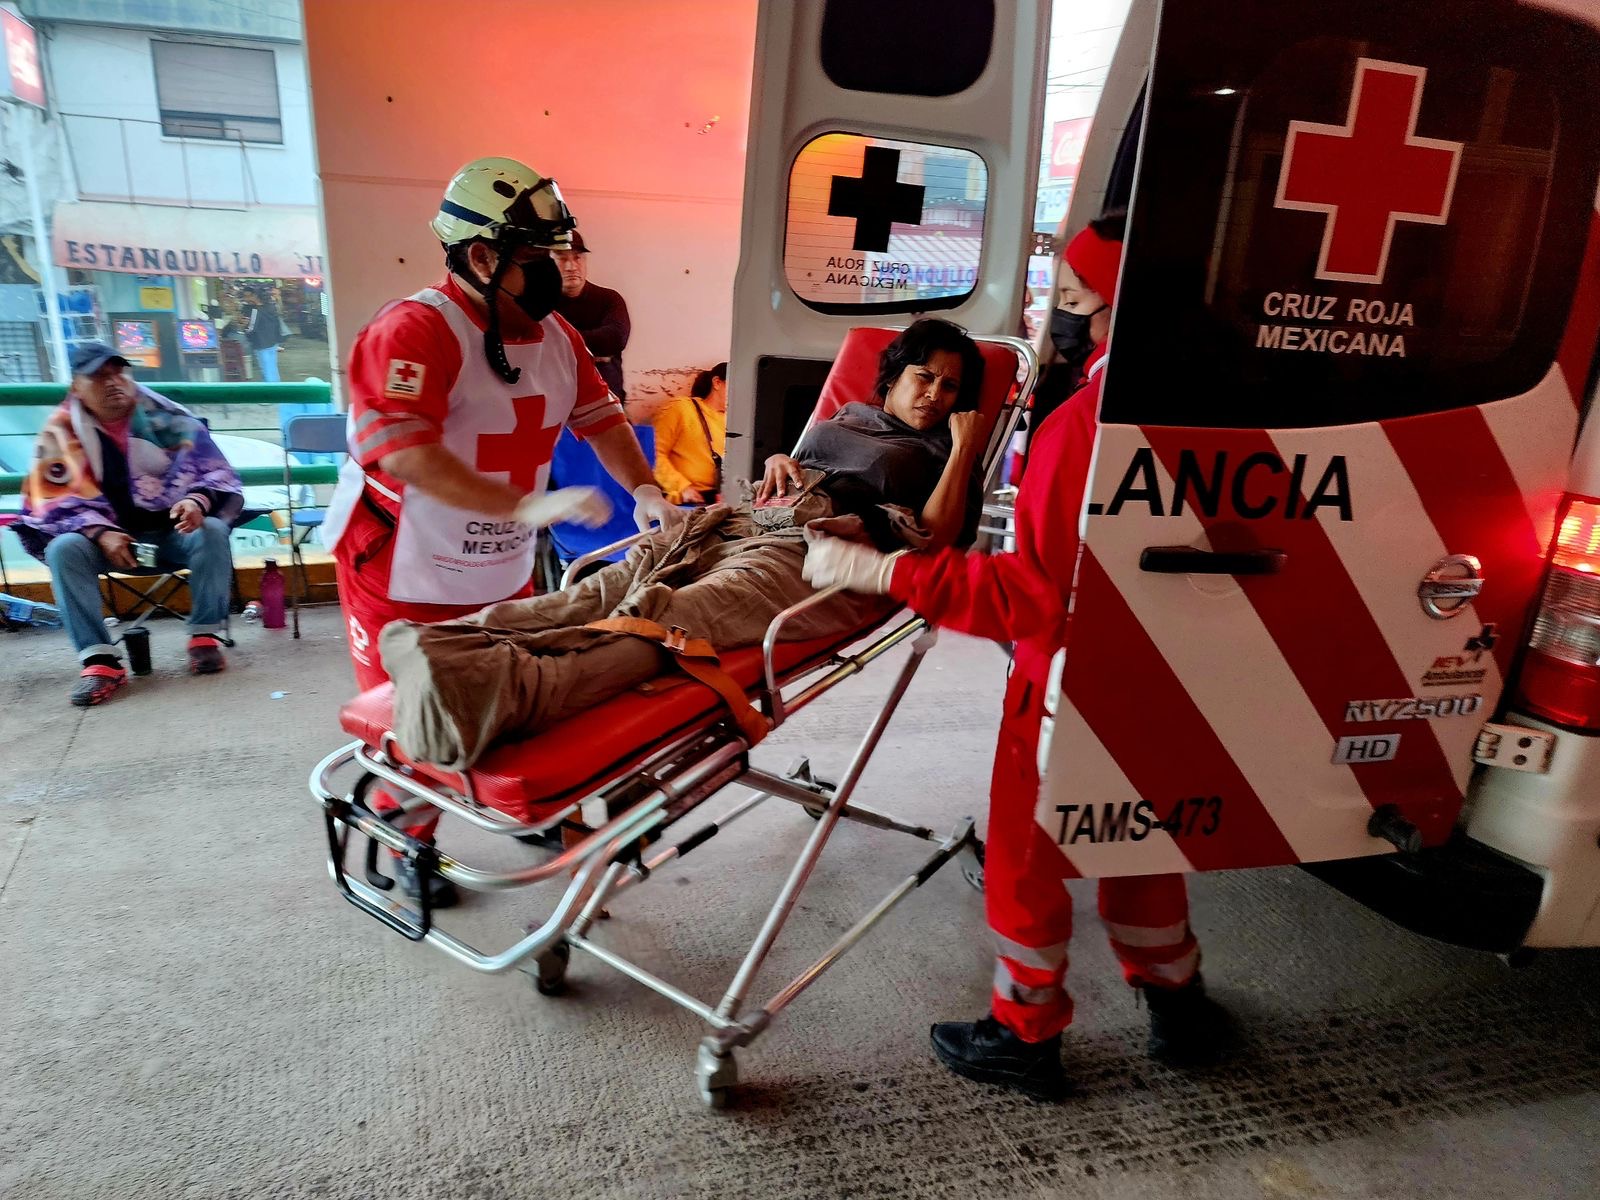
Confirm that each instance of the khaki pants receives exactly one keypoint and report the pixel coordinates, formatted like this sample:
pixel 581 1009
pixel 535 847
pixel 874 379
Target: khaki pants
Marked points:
pixel 520 665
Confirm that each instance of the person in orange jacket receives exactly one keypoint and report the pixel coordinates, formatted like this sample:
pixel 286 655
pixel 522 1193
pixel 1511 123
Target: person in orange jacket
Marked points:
pixel 1023 597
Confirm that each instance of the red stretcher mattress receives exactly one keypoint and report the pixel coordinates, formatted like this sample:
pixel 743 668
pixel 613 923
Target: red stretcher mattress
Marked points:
pixel 531 780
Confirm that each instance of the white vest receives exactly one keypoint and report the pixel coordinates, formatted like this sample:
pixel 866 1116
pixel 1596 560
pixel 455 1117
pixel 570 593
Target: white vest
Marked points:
pixel 447 555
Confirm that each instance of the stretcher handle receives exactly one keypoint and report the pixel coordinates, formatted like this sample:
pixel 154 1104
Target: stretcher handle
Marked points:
pixel 1189 560
pixel 411 924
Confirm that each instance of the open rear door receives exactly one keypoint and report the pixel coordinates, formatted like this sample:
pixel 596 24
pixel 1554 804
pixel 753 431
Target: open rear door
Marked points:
pixel 1334 427
pixel 891 171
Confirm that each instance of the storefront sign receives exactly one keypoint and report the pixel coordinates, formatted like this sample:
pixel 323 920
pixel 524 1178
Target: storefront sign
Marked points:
pixel 148 239
pixel 24 80
pixel 1067 139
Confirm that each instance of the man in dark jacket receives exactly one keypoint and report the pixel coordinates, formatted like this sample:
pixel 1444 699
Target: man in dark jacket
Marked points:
pixel 124 478
pixel 598 314
pixel 264 331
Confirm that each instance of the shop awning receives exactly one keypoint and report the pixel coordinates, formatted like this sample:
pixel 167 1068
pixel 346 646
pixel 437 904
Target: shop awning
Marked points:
pixel 152 239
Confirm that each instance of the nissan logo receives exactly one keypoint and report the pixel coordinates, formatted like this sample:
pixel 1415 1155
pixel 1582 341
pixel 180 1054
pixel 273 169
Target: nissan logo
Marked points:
pixel 1452 584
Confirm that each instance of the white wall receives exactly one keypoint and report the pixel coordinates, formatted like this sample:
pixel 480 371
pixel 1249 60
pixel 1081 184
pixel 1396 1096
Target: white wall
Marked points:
pixel 83 58
pixel 606 96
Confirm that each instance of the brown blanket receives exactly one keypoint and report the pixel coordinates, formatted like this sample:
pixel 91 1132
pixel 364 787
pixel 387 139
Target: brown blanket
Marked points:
pixel 518 666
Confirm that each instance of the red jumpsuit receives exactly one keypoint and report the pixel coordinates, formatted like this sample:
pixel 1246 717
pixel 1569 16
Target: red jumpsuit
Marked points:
pixel 1023 597
pixel 406 369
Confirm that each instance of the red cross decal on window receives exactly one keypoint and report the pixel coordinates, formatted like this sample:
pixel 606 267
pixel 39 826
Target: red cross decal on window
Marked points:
pixel 1370 173
pixel 524 451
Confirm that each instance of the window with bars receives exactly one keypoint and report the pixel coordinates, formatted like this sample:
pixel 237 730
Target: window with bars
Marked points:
pixel 225 92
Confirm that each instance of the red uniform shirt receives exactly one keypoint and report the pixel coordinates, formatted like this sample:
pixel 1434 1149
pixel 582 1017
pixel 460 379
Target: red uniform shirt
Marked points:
pixel 403 367
pixel 1025 595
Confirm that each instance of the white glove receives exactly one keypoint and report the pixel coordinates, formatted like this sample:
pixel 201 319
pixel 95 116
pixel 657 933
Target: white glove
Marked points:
pixel 650 506
pixel 584 506
pixel 834 562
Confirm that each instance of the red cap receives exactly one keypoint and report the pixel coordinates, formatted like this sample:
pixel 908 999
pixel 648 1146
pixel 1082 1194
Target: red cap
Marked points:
pixel 1096 261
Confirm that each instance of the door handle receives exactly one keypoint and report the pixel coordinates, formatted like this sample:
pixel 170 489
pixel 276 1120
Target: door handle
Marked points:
pixel 1188 560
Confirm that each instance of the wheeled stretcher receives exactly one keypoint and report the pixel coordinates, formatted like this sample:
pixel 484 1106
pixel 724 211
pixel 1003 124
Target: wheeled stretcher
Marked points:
pixel 609 796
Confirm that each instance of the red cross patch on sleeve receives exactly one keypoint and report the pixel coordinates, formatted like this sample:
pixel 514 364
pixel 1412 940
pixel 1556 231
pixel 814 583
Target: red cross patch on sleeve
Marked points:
pixel 405 379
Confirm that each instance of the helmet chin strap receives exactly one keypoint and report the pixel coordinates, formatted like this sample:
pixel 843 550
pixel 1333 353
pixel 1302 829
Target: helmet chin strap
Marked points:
pixel 494 346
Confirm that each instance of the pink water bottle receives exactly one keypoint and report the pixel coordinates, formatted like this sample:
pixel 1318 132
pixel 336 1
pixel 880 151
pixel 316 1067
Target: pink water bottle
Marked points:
pixel 272 595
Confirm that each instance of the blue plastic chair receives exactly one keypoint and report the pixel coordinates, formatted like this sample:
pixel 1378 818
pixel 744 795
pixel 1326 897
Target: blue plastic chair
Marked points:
pixel 322 437
pixel 575 463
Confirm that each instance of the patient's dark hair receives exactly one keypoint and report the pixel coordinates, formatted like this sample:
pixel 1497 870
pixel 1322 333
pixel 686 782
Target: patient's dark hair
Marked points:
pixel 917 344
pixel 703 381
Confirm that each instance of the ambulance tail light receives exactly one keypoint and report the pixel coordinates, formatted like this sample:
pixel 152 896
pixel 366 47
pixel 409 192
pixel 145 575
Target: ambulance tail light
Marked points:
pixel 1560 677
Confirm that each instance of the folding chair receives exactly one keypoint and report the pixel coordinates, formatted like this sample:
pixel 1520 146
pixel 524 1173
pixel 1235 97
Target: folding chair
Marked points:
pixel 144 603
pixel 317 433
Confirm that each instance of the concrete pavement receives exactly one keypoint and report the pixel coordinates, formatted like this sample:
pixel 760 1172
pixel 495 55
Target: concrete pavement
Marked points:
pixel 191 1011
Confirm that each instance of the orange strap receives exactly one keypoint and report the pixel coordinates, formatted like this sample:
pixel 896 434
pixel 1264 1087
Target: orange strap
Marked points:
pixel 698 659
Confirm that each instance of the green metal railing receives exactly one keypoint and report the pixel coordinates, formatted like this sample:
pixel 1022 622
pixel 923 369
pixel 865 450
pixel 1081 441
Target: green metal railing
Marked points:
pixel 22 395
pixel 15 394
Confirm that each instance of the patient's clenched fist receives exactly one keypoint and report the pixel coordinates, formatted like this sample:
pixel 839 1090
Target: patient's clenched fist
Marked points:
pixel 965 428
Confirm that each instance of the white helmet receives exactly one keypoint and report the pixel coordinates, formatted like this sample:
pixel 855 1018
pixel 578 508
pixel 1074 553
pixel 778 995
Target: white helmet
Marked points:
pixel 501 199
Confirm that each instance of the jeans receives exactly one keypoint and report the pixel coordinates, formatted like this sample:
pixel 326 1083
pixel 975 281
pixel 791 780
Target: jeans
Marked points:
pixel 267 356
pixel 76 564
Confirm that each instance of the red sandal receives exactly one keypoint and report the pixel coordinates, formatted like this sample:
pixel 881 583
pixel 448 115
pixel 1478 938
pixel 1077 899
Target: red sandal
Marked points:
pixel 97 684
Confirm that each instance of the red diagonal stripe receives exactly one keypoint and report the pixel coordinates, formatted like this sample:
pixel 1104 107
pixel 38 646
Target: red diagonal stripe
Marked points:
pixel 1477 507
pixel 1322 627
pixel 1139 710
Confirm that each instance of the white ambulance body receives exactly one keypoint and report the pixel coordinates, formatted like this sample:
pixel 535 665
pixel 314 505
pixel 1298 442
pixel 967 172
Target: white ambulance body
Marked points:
pixel 1339 597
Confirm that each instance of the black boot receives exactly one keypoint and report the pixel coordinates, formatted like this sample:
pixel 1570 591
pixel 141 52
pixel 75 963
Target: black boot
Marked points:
pixel 1187 1027
pixel 990 1053
pixel 441 892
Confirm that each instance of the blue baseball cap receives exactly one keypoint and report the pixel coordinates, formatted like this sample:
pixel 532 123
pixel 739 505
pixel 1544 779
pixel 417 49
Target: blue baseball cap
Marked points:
pixel 89 357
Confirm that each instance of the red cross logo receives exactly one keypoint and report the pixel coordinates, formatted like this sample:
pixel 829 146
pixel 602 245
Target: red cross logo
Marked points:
pixel 523 452
pixel 1369 173
pixel 406 372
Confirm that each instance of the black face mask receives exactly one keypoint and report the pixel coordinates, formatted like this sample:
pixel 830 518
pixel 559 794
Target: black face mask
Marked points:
pixel 1069 332
pixel 541 287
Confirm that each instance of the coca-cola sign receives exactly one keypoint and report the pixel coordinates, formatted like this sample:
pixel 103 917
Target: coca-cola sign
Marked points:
pixel 24 78
pixel 1066 146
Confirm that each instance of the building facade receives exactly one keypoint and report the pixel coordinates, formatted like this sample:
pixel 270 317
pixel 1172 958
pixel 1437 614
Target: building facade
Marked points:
pixel 189 176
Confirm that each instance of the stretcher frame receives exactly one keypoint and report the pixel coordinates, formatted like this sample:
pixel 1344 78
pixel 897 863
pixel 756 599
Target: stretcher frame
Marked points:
pixel 640 804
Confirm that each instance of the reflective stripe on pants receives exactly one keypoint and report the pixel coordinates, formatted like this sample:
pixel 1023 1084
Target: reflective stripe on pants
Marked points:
pixel 1030 911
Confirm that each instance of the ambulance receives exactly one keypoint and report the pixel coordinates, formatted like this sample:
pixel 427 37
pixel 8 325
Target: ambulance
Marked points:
pixel 1338 602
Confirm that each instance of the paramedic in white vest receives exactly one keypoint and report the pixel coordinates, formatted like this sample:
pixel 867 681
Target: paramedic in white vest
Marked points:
pixel 457 397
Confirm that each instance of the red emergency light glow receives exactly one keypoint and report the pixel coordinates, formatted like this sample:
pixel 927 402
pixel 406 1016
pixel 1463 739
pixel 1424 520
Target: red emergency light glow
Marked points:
pixel 1578 543
pixel 1560 679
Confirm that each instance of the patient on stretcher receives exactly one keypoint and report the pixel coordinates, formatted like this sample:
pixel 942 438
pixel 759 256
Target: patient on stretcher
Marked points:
pixel 903 474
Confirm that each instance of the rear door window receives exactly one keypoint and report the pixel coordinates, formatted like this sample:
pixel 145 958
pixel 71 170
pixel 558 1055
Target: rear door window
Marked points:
pixel 883 226
pixel 1311 183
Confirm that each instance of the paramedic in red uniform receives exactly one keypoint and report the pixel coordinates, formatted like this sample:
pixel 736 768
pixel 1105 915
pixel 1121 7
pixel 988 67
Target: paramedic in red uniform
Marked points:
pixel 1022 596
pixel 457 397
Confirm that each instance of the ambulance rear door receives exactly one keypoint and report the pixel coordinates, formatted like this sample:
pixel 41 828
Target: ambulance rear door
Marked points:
pixel 1335 428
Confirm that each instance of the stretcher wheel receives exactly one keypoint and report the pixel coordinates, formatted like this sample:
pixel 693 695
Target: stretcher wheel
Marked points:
pixel 551 979
pixel 715 1075
pixel 800 771
pixel 971 860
